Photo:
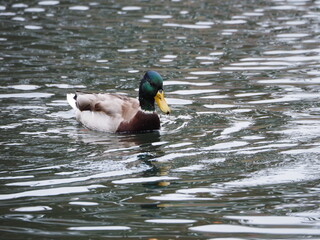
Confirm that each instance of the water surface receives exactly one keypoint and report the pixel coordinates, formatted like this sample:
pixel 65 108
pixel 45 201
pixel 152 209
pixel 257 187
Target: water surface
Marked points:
pixel 238 158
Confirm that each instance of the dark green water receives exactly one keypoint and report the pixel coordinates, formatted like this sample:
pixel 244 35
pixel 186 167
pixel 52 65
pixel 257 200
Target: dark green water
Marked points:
pixel 238 158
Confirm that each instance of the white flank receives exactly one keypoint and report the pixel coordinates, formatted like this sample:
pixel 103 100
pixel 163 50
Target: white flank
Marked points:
pixel 98 121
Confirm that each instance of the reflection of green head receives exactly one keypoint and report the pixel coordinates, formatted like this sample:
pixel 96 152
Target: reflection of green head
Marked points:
pixel 150 84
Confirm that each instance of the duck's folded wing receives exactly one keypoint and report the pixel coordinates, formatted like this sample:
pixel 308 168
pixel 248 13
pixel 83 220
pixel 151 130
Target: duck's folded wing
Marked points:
pixel 103 112
pixel 110 104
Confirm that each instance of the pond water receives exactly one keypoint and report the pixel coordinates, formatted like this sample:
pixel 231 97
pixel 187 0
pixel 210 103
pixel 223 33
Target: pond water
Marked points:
pixel 238 158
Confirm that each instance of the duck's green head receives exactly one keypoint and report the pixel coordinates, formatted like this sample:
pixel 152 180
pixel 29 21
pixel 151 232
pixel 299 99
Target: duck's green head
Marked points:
pixel 151 90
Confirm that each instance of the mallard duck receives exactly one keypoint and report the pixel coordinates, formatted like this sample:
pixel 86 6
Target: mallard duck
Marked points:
pixel 118 113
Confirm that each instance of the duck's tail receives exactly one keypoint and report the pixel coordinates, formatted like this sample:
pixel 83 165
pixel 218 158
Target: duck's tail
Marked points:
pixel 71 100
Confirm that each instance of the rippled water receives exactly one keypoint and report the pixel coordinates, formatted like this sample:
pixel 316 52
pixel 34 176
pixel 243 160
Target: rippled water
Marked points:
pixel 238 158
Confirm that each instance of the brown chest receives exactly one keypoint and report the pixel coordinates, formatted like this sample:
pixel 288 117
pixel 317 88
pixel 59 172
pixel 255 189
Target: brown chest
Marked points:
pixel 141 122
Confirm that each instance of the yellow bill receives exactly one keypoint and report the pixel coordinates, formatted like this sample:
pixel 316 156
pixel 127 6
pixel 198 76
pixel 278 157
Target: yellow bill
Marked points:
pixel 159 98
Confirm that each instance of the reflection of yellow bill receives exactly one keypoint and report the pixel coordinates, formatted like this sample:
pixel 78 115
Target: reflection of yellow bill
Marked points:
pixel 162 102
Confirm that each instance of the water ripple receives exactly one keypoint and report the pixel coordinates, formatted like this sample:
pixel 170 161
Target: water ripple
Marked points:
pixel 99 228
pixel 48 3
pixel 228 228
pixel 79 8
pixel 49 192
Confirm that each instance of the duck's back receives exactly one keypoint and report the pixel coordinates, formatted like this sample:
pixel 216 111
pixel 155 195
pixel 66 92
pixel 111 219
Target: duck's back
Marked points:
pixel 103 112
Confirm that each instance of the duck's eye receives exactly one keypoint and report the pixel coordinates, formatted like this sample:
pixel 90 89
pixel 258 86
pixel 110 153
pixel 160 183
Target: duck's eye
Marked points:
pixel 147 88
pixel 152 84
